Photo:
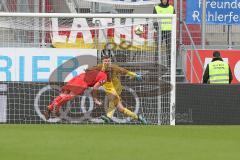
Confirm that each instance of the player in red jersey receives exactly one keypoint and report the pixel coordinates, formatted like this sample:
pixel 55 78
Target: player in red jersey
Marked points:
pixel 77 86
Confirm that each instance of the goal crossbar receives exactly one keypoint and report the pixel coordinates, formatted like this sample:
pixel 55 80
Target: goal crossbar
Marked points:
pixel 85 15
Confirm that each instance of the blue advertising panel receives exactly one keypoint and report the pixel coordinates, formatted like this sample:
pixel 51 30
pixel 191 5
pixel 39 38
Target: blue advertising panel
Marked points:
pixel 38 64
pixel 217 12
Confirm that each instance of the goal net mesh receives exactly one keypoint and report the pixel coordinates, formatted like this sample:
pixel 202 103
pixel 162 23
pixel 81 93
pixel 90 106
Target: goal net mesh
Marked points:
pixel 149 51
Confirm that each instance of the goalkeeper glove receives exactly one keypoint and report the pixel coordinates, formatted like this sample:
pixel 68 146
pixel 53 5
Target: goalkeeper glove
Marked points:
pixel 139 77
pixel 135 75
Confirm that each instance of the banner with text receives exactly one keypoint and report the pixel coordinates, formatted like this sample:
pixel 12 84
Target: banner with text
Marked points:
pixel 194 70
pixel 39 64
pixel 217 11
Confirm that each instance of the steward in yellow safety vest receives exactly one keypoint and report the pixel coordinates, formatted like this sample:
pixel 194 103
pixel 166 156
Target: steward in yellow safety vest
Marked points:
pixel 164 26
pixel 217 71
pixel 164 8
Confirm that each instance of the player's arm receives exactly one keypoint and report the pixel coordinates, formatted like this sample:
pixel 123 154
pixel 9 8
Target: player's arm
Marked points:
pixel 124 71
pixel 94 93
pixel 99 83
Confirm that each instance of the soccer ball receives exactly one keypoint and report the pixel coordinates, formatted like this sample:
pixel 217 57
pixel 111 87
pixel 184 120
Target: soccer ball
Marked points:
pixel 139 29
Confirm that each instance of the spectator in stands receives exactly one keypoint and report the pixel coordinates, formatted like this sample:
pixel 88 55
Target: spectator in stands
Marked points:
pixel 164 8
pixel 217 71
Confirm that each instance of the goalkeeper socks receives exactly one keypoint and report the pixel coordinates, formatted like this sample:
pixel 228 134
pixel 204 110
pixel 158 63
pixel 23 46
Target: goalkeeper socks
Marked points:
pixel 130 113
pixel 110 109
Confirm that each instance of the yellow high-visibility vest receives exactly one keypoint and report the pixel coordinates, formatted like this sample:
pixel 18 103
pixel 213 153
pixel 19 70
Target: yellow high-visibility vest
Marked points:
pixel 218 72
pixel 166 24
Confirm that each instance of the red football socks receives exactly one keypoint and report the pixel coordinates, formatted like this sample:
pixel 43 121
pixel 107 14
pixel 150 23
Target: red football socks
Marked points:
pixel 54 102
pixel 63 100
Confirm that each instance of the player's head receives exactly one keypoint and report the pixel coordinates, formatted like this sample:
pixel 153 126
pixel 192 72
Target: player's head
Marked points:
pixel 106 52
pixel 106 59
pixel 106 56
pixel 216 54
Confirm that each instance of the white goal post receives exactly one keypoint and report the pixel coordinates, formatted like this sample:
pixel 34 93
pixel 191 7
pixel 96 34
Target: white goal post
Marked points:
pixel 28 84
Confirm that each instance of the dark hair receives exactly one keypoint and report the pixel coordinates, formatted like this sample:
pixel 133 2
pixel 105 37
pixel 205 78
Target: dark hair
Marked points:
pixel 167 1
pixel 106 53
pixel 105 57
pixel 216 54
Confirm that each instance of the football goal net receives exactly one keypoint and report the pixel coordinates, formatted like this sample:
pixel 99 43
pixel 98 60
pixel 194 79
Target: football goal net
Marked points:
pixel 40 52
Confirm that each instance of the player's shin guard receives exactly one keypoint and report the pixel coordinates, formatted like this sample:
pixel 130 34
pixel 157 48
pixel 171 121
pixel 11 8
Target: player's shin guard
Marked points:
pixel 129 113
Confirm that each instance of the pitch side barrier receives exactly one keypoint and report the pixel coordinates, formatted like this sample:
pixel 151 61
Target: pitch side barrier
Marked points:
pixel 207 104
pixel 25 102
pixel 195 104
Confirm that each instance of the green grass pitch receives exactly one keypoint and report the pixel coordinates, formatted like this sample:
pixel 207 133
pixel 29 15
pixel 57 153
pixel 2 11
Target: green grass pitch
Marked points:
pixel 119 142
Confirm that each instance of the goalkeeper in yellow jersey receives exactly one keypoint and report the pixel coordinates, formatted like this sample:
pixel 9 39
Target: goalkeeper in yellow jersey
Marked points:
pixel 113 88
